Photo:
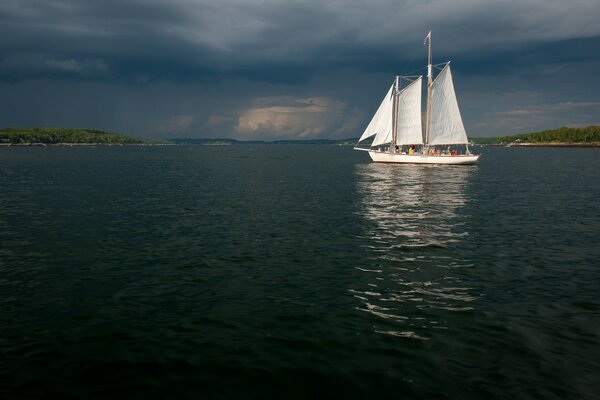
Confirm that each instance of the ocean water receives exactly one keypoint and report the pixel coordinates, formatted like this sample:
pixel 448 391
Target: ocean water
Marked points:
pixel 298 271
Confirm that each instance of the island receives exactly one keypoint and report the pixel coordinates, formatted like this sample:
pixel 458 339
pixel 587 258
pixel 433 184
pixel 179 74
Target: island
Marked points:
pixel 562 137
pixel 58 136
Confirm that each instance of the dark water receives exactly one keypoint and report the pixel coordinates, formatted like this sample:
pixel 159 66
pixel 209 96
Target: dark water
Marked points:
pixel 298 272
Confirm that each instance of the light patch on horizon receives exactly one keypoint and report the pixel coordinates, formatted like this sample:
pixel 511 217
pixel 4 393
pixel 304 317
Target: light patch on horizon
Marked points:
pixel 551 108
pixel 217 120
pixel 176 124
pixel 217 125
pixel 552 116
pixel 300 118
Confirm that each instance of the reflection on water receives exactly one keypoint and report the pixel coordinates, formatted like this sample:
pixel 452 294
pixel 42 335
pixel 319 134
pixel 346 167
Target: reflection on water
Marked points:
pixel 413 233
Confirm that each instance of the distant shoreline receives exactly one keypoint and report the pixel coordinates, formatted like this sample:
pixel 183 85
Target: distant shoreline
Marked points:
pixel 594 144
pixel 555 145
pixel 588 137
pixel 36 144
pixel 561 137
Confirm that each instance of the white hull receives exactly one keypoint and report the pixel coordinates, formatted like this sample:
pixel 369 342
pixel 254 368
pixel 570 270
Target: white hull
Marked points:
pixel 379 156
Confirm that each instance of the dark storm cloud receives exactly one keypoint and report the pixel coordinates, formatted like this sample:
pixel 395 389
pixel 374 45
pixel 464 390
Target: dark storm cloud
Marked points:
pixel 132 40
pixel 337 53
pixel 137 41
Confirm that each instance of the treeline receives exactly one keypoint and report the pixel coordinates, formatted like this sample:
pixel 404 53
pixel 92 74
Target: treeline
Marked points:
pixel 590 134
pixel 63 135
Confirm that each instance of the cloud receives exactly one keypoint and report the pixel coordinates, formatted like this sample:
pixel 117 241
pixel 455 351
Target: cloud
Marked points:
pixel 288 117
pixel 81 67
pixel 29 66
pixel 138 66
pixel 190 39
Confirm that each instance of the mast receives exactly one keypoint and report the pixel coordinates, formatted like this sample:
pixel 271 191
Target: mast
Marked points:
pixel 395 117
pixel 429 80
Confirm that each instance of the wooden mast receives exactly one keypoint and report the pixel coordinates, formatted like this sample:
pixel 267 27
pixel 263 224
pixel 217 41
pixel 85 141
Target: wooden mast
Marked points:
pixel 429 79
pixel 395 118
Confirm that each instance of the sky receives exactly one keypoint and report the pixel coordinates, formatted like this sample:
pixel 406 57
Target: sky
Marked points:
pixel 288 69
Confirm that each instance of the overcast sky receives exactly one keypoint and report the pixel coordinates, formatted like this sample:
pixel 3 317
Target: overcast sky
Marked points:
pixel 265 69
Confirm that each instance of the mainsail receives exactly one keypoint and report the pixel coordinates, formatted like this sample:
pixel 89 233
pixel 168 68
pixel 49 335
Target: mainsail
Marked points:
pixel 409 114
pixel 381 124
pixel 409 117
pixel 445 126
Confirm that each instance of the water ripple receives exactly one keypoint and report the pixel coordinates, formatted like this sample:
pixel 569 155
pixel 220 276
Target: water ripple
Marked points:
pixel 413 235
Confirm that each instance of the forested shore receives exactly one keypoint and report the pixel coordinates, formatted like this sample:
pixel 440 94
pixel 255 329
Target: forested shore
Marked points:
pixel 588 136
pixel 50 136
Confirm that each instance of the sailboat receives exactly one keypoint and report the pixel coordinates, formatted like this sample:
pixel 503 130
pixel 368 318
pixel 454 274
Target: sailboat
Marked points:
pixel 397 125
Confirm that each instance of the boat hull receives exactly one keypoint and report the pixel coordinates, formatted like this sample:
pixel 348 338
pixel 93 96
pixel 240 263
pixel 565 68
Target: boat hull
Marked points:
pixel 383 157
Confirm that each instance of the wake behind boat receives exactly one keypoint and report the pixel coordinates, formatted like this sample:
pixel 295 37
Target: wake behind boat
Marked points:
pixel 397 125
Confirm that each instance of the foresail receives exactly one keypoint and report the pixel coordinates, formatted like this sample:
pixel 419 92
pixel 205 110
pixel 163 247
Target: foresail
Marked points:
pixel 381 124
pixel 445 126
pixel 409 114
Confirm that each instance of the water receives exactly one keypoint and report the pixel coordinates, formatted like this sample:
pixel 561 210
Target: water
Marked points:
pixel 298 272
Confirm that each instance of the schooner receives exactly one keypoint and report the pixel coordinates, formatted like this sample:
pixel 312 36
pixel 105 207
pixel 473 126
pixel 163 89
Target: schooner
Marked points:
pixel 397 125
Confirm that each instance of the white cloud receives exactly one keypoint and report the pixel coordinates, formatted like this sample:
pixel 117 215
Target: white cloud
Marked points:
pixel 288 117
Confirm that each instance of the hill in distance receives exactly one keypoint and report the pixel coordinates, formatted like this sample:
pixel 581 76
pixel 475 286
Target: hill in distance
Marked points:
pixel 63 135
pixel 589 135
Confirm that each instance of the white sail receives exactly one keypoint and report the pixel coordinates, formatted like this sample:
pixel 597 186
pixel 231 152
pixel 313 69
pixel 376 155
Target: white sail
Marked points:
pixel 385 134
pixel 409 114
pixel 445 126
pixel 381 124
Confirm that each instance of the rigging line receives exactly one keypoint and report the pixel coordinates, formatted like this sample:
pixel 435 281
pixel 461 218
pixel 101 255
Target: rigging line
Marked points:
pixel 409 64
pixel 416 70
pixel 410 78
